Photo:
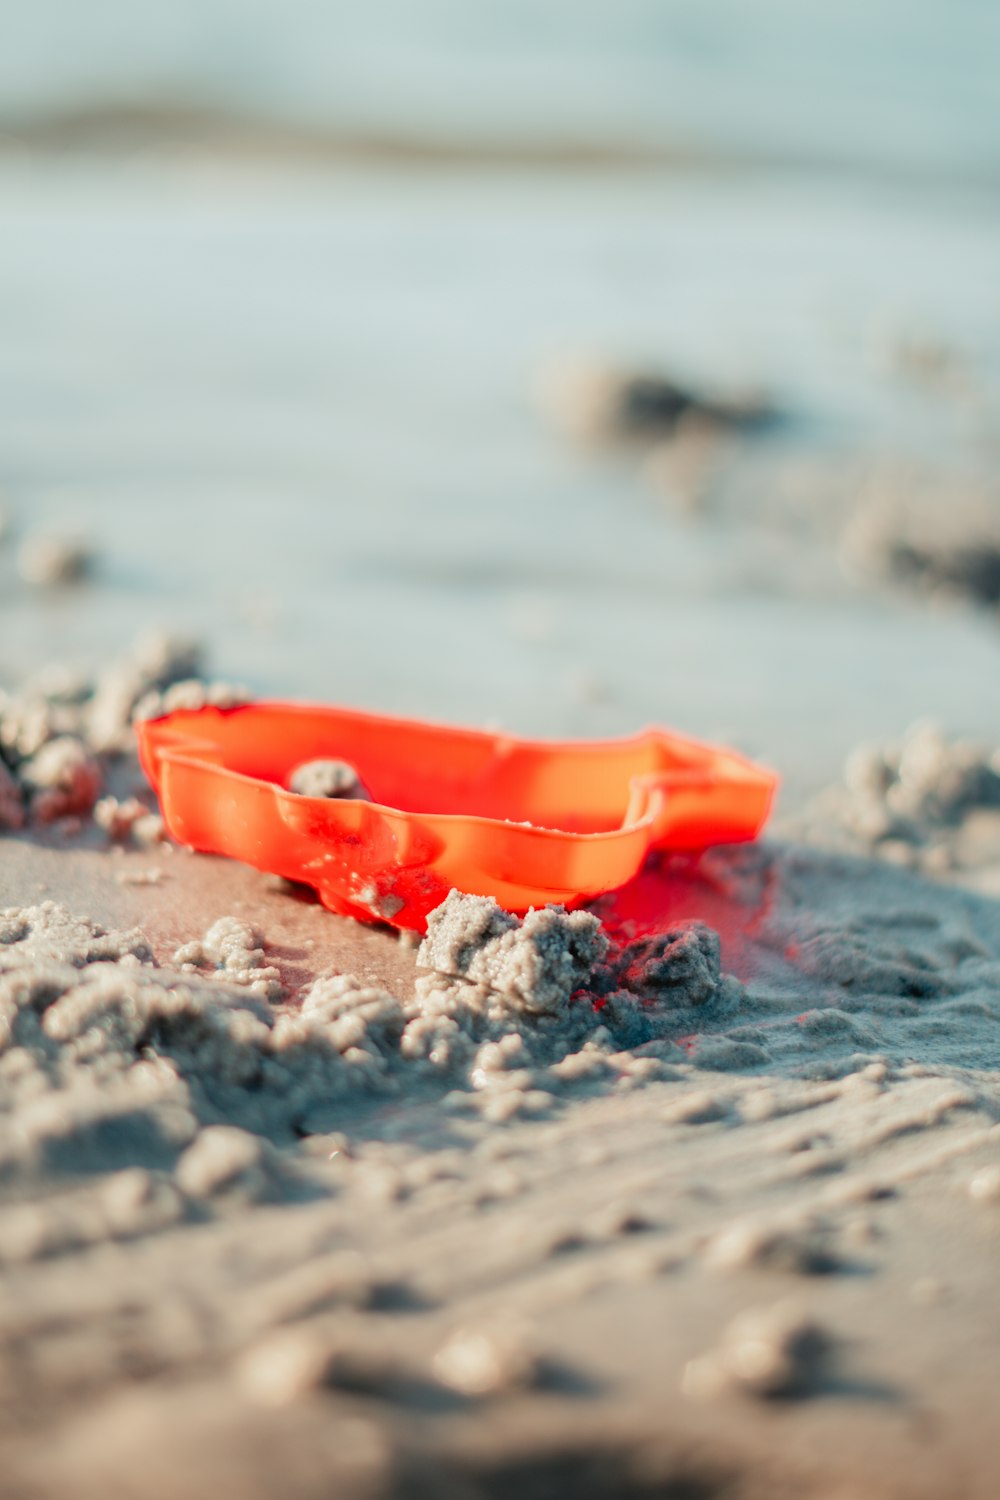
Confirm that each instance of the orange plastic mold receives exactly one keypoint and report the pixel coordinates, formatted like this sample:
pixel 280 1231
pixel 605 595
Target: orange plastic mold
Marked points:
pixel 525 821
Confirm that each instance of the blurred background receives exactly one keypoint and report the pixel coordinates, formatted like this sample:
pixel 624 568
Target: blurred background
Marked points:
pixel 566 366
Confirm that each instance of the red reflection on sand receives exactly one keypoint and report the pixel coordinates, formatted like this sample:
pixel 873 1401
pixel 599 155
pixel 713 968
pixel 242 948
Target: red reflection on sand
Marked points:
pixel 721 889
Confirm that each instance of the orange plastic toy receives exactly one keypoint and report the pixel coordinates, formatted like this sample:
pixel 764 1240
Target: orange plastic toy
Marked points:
pixel 525 821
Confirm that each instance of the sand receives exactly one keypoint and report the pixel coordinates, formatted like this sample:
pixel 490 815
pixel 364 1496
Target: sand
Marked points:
pixel 414 1231
pixel 288 1207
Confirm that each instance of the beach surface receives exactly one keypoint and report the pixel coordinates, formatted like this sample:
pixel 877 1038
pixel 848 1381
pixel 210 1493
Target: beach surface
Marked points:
pixel 730 1230
pixel 325 406
pixel 757 1257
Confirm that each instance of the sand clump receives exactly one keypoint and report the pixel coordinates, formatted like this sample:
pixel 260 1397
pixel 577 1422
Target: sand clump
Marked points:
pixel 931 535
pixel 799 1243
pixel 540 1004
pixel 127 820
pixel 537 962
pixel 768 1352
pixel 191 694
pixel 483 1361
pixel 224 1160
pixel 50 560
pixel 64 736
pixel 291 1363
pixel 599 403
pixel 924 801
pixel 102 1049
pixel 236 949
pixel 691 443
pixel 968 568
pixel 540 963
pixel 328 778
pixel 61 779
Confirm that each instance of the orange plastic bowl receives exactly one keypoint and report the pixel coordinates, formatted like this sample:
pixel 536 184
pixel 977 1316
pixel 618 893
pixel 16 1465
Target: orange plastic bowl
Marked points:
pixel 525 821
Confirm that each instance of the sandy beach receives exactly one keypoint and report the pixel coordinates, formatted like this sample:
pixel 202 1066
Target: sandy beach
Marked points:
pixel 622 417
pixel 688 1258
pixel 456 1281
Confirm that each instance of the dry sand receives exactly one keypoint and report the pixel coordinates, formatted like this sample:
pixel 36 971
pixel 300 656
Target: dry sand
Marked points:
pixel 735 1238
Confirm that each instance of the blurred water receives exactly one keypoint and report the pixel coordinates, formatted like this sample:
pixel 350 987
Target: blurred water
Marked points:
pixel 902 85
